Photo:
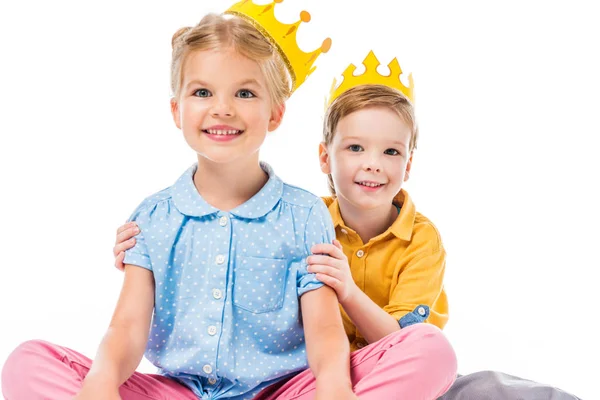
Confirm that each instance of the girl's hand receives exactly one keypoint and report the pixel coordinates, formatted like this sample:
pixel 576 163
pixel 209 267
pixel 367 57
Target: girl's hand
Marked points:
pixel 125 241
pixel 331 266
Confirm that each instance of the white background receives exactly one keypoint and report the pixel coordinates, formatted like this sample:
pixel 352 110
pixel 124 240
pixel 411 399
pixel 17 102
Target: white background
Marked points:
pixel 507 164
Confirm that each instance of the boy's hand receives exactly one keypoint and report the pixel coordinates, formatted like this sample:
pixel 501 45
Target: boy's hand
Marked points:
pixel 125 241
pixel 331 266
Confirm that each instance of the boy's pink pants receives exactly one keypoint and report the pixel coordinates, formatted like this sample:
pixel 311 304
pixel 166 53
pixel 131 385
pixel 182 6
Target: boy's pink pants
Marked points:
pixel 414 363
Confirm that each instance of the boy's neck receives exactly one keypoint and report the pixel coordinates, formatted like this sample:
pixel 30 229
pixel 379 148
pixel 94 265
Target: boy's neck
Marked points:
pixel 367 223
pixel 226 186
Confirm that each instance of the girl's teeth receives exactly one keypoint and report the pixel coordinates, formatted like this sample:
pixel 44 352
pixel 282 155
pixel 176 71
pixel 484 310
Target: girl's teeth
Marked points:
pixel 223 132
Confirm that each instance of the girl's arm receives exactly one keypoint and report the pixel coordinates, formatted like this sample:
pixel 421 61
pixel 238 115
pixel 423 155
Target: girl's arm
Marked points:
pixel 327 346
pixel 420 282
pixel 123 345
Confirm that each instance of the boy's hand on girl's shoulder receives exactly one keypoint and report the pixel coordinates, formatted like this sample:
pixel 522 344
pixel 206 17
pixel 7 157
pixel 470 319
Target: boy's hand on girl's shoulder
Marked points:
pixel 125 240
pixel 330 264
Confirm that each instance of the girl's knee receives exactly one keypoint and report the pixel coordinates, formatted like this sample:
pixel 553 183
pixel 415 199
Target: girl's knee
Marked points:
pixel 434 346
pixel 24 357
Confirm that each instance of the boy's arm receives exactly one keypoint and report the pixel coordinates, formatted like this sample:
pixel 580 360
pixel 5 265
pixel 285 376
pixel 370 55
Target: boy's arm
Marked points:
pixel 123 345
pixel 327 346
pixel 332 268
pixel 419 282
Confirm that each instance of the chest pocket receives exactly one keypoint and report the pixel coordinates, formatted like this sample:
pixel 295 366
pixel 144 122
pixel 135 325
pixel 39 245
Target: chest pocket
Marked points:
pixel 259 284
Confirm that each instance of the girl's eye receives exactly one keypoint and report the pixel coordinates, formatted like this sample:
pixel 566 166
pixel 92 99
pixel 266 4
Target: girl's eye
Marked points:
pixel 392 152
pixel 202 93
pixel 355 147
pixel 245 94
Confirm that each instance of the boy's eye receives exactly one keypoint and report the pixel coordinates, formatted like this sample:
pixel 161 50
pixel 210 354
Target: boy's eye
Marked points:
pixel 245 94
pixel 391 152
pixel 202 93
pixel 355 147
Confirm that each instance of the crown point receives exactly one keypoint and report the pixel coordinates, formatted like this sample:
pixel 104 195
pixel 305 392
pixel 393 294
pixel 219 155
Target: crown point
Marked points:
pixel 305 16
pixel 326 45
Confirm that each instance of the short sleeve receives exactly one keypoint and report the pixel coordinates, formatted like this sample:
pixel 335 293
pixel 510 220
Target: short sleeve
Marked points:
pixel 318 229
pixel 421 284
pixel 138 254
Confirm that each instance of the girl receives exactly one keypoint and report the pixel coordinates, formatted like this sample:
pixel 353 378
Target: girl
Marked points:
pixel 216 288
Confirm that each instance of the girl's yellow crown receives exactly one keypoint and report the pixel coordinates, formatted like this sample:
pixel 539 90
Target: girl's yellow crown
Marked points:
pixel 281 36
pixel 372 77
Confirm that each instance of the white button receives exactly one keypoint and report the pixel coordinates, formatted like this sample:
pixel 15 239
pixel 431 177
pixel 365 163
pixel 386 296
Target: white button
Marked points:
pixel 207 369
pixel 344 231
pixel 360 345
pixel 212 330
pixel 421 311
pixel 220 259
pixel 360 253
pixel 223 221
pixel 212 381
pixel 217 294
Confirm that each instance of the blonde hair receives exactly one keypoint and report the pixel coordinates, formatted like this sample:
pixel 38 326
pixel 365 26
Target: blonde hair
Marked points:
pixel 216 31
pixel 365 96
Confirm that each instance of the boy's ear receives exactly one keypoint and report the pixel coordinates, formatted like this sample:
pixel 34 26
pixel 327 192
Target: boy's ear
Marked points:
pixel 408 166
pixel 324 158
pixel 276 117
pixel 175 113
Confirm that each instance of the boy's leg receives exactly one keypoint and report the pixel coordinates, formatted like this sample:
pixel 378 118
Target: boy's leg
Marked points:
pixel 414 363
pixel 491 385
pixel 39 370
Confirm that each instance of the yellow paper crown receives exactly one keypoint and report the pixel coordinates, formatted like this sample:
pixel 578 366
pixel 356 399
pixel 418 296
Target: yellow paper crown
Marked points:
pixel 372 77
pixel 281 36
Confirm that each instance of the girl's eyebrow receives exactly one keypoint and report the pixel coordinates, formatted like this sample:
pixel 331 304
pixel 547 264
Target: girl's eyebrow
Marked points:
pixel 250 81
pixel 196 82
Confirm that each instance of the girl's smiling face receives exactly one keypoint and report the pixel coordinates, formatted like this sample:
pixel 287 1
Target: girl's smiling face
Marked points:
pixel 224 108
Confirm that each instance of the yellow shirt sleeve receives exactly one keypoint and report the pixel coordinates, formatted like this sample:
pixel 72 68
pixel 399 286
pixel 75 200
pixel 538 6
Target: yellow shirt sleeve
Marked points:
pixel 419 280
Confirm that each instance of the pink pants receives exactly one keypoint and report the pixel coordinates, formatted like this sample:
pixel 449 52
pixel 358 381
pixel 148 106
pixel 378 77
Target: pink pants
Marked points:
pixel 414 363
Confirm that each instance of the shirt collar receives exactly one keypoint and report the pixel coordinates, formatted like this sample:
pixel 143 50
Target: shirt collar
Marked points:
pixel 189 202
pixel 402 227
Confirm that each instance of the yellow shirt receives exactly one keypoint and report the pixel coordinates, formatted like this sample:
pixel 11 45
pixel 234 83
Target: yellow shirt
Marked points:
pixel 400 269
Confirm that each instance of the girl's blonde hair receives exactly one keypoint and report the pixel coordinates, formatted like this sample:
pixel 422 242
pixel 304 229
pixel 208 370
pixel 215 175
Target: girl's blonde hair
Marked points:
pixel 216 31
pixel 365 96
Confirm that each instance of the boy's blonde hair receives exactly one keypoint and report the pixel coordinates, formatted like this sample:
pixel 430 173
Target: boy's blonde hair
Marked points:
pixel 216 31
pixel 366 96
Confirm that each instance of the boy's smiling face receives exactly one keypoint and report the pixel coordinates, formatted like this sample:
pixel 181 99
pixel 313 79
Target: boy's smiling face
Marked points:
pixel 368 158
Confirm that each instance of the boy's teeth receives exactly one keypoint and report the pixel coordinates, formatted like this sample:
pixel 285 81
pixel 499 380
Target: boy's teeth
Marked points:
pixel 370 184
pixel 223 131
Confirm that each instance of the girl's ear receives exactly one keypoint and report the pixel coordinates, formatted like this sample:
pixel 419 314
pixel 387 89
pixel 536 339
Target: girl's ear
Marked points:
pixel 175 112
pixel 408 166
pixel 276 117
pixel 324 158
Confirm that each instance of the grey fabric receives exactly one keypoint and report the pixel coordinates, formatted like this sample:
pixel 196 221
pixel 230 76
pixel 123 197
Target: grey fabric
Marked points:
pixel 491 385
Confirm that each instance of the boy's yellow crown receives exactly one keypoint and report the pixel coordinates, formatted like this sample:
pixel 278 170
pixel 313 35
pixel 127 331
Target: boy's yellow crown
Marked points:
pixel 372 77
pixel 282 37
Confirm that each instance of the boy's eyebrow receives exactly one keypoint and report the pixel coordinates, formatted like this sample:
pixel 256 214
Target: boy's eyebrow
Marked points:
pixel 395 142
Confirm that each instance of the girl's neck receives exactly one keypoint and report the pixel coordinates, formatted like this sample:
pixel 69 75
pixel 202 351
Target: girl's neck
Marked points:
pixel 226 186
pixel 367 223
